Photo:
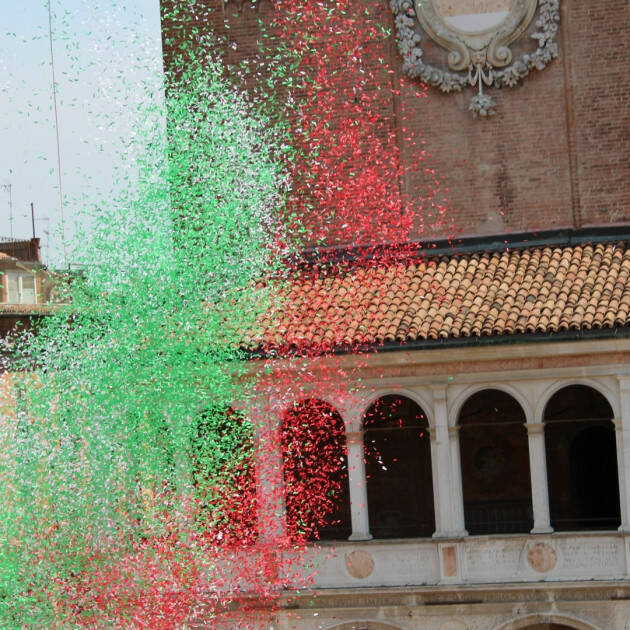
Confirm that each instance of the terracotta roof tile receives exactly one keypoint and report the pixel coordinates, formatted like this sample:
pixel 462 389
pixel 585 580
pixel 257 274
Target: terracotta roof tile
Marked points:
pixel 541 290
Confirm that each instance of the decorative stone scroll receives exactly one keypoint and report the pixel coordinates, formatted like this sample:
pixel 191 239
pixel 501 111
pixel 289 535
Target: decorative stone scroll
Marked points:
pixel 477 35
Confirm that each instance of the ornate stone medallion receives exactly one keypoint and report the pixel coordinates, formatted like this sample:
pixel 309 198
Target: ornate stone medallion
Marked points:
pixel 476 37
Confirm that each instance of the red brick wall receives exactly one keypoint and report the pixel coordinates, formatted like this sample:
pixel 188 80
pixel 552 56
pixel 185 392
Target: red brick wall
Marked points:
pixel 22 250
pixel 554 155
pixel 598 62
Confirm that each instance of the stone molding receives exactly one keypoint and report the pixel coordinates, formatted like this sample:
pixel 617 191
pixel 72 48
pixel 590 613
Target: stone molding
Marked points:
pixel 534 428
pixel 365 625
pixel 586 560
pixel 539 618
pixel 493 67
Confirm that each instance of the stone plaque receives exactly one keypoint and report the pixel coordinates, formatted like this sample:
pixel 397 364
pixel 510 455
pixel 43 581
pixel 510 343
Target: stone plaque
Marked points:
pixel 598 557
pixel 360 564
pixel 449 560
pixel 470 16
pixel 542 558
pixel 492 560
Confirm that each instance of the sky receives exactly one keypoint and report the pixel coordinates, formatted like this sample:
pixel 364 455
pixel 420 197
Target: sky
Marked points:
pixel 107 61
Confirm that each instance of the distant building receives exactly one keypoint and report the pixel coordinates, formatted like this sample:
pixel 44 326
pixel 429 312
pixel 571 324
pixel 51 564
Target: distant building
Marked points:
pixel 25 284
pixel 22 249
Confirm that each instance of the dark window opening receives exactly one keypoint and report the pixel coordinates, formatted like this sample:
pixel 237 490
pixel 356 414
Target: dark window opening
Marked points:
pixel 224 477
pixel 398 469
pixel 581 461
pixel 315 466
pixel 495 465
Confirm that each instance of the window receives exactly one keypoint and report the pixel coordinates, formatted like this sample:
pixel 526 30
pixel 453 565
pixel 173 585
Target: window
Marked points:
pixel 495 464
pixel 20 288
pixel 315 472
pixel 222 450
pixel 581 460
pixel 398 469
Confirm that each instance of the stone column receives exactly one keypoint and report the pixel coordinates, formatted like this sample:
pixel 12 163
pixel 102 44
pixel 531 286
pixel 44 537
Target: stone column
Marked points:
pixel 622 430
pixel 447 515
pixel 538 475
pixel 622 454
pixel 358 487
pixel 269 476
pixel 457 491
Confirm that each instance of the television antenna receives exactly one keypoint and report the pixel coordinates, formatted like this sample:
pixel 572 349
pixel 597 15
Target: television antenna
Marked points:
pixel 8 189
pixel 54 96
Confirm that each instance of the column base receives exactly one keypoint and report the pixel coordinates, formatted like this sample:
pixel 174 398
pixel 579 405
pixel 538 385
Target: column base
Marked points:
pixel 542 530
pixel 460 533
pixel 624 529
pixel 359 537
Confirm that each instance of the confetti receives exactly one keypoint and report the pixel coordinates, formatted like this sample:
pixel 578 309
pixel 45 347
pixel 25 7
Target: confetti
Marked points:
pixel 162 462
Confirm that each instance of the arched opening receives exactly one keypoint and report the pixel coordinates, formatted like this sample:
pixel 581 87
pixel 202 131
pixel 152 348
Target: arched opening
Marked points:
pixel 495 464
pixel 224 482
pixel 546 621
pixel 581 460
pixel 398 469
pixel 315 467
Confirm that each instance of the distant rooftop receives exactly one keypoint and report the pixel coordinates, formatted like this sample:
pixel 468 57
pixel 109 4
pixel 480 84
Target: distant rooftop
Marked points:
pixel 22 249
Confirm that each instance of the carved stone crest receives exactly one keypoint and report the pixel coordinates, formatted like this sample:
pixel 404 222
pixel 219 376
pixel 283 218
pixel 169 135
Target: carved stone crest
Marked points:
pixel 477 36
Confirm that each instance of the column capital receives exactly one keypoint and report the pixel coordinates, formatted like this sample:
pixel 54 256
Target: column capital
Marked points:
pixel 618 422
pixel 439 392
pixel 624 382
pixel 454 430
pixel 535 428
pixel 352 410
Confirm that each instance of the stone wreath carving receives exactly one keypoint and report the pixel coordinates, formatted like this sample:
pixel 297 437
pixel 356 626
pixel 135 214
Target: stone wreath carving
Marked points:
pixel 478 56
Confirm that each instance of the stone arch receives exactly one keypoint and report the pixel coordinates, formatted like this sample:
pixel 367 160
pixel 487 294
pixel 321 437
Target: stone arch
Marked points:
pixel 527 621
pixel 494 455
pixel 315 394
pixel 419 399
pixel 456 407
pixel 365 625
pixel 581 454
pixel 556 386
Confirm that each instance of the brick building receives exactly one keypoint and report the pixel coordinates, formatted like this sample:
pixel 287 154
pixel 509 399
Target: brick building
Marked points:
pixel 503 355
pixel 25 286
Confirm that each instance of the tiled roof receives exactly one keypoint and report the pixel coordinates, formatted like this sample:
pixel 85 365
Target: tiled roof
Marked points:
pixel 25 309
pixel 509 293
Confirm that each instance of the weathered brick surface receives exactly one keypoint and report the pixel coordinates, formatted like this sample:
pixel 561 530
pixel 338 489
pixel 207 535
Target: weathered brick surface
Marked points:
pixel 599 64
pixel 555 154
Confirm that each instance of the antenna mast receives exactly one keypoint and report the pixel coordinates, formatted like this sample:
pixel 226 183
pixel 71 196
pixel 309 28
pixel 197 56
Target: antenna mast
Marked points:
pixel 7 188
pixel 54 95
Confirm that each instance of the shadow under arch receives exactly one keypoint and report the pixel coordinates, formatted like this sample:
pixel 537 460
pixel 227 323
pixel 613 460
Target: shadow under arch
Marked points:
pixel 365 625
pixel 564 621
pixel 462 398
pixel 581 454
pixel 551 390
pixel 422 402
pixel 495 468
pixel 398 469
pixel 315 471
